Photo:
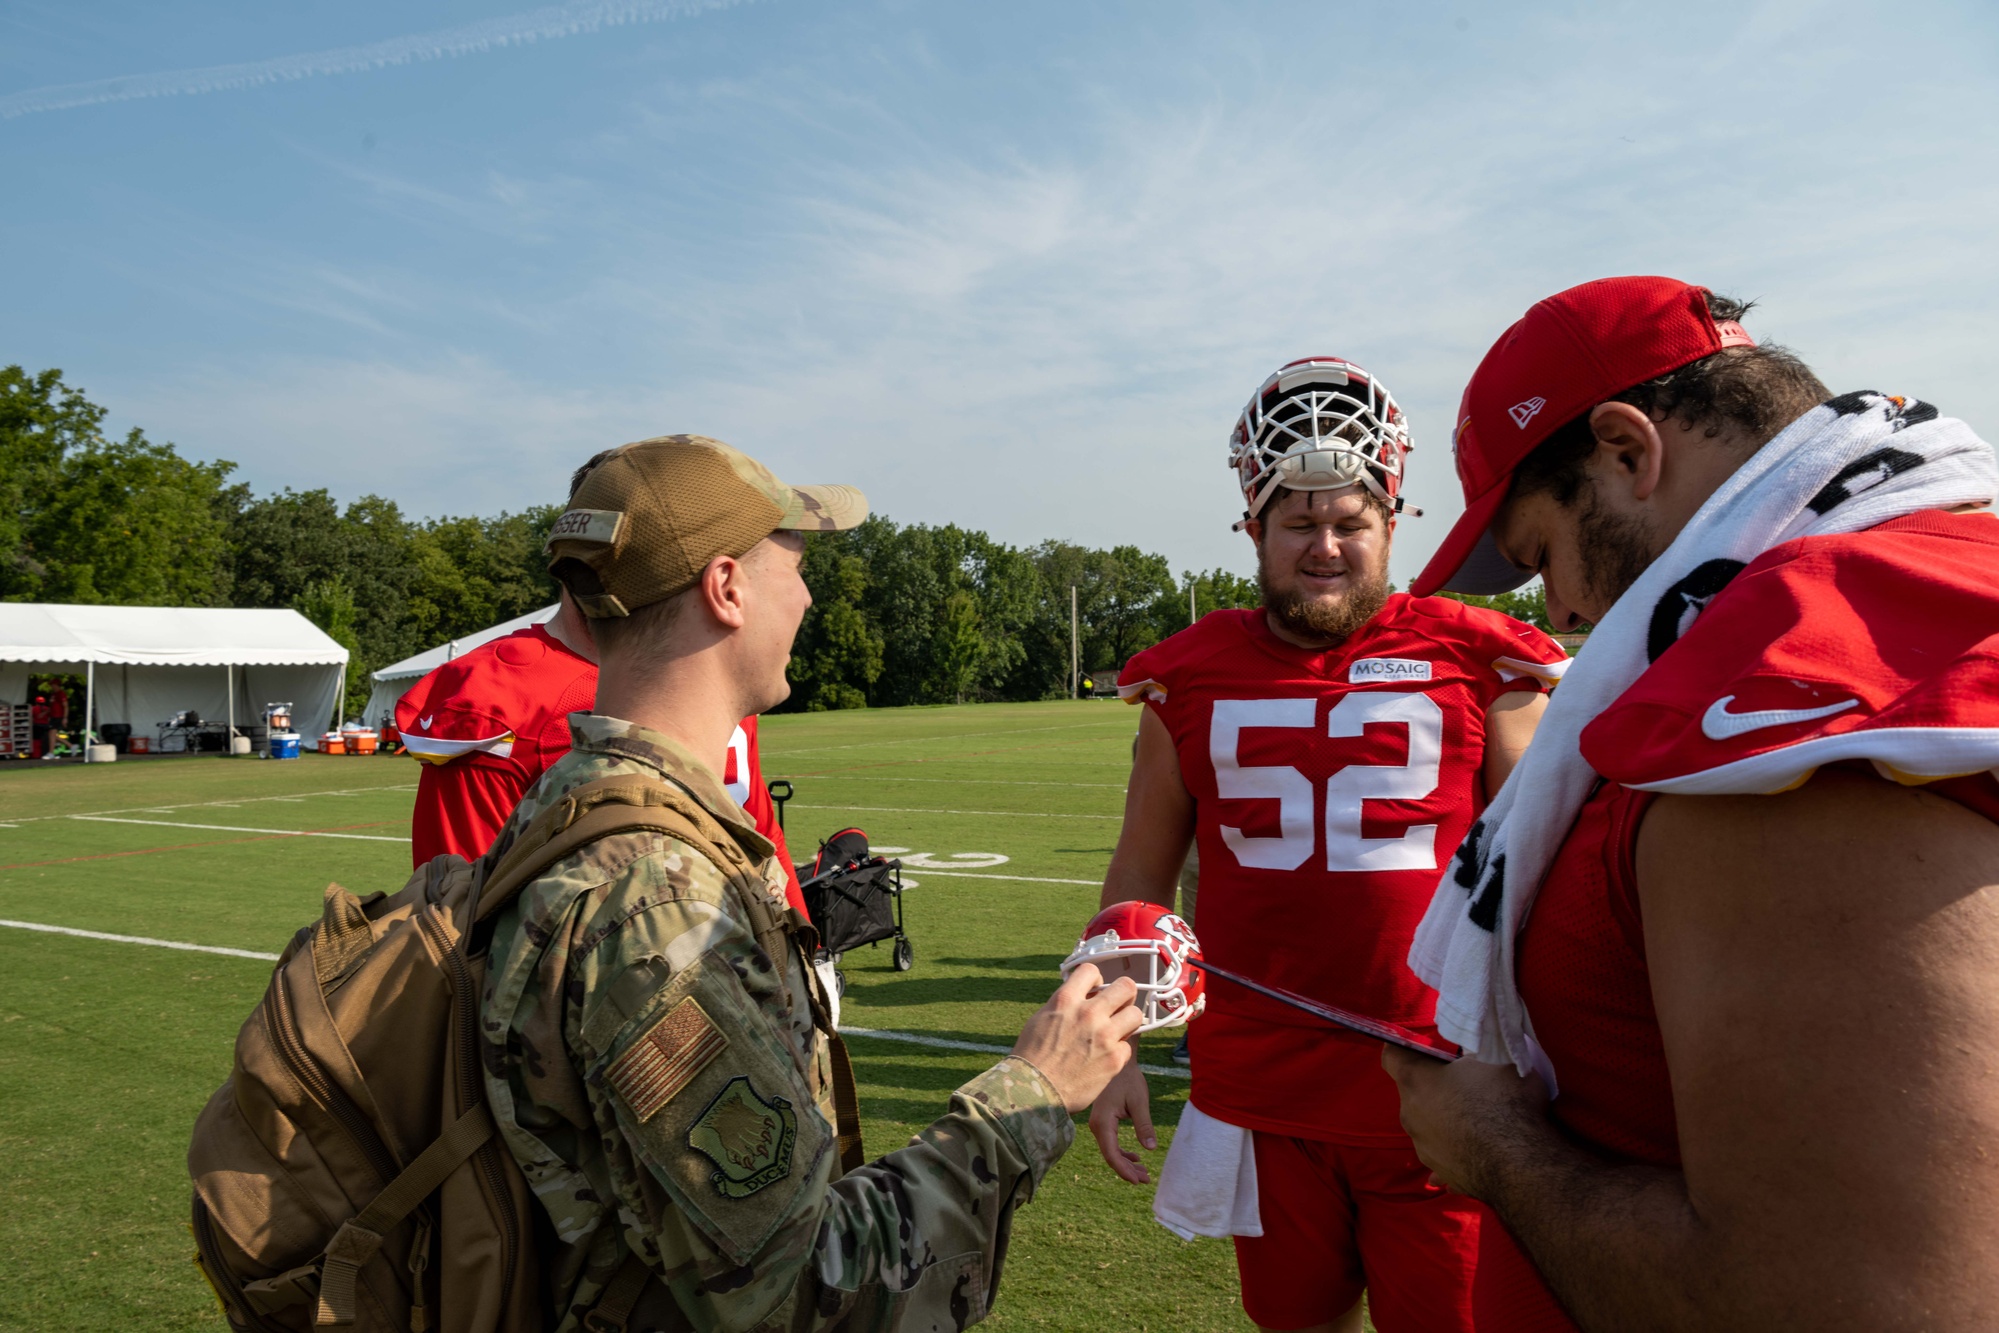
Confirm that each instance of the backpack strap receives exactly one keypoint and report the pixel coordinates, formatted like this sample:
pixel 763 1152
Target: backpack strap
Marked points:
pixel 623 804
pixel 846 1106
pixel 614 1307
pixel 626 804
pixel 361 1236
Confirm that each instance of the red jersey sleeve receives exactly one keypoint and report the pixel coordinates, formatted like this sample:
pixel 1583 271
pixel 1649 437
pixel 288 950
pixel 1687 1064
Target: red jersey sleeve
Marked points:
pixel 1503 654
pixel 485 726
pixel 1880 647
pixel 1148 678
pixel 443 717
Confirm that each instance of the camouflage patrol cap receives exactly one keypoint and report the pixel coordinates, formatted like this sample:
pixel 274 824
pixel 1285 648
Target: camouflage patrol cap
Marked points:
pixel 649 518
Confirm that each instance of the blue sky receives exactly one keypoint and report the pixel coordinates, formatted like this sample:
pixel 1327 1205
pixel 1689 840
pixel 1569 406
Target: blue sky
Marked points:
pixel 1012 266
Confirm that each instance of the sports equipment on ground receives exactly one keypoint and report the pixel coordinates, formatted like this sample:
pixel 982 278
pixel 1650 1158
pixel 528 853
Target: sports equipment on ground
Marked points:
pixel 1320 424
pixel 1153 947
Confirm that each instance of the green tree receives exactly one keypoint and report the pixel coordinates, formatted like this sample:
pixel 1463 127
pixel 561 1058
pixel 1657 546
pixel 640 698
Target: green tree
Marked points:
pixel 1528 604
pixel 1202 592
pixel 959 646
pixel 329 604
pixel 86 519
pixel 838 653
pixel 41 421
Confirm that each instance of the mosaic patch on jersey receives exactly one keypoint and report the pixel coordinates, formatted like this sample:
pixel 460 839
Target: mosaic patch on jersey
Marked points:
pixel 665 1059
pixel 1368 670
pixel 747 1137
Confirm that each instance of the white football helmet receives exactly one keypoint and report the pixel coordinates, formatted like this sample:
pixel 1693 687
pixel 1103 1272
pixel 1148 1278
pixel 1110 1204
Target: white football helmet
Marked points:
pixel 1149 944
pixel 1320 424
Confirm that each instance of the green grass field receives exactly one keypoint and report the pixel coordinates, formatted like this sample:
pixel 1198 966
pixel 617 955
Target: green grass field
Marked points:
pixel 108 1049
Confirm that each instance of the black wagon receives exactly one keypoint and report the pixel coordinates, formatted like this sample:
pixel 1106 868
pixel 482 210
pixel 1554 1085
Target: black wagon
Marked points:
pixel 855 898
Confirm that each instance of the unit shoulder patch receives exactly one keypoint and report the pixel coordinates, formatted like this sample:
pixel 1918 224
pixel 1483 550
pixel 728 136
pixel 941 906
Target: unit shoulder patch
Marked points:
pixel 666 1059
pixel 748 1138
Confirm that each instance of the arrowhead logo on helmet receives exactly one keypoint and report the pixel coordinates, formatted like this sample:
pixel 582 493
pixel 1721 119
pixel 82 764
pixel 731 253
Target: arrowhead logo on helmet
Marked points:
pixel 1153 947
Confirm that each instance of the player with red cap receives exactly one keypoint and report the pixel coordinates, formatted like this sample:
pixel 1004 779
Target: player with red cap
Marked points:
pixel 489 722
pixel 1737 908
pixel 1325 752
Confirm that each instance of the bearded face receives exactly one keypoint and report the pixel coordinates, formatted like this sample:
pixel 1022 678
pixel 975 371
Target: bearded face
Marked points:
pixel 1322 563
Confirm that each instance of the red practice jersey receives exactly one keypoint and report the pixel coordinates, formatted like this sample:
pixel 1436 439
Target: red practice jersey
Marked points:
pixel 1330 790
pixel 486 725
pixel 1878 648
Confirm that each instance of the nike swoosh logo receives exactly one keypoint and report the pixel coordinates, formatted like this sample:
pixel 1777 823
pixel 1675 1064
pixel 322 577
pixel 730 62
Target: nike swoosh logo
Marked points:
pixel 425 723
pixel 1718 724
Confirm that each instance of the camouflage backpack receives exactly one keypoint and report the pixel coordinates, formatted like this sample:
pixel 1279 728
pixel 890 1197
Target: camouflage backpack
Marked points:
pixel 349 1172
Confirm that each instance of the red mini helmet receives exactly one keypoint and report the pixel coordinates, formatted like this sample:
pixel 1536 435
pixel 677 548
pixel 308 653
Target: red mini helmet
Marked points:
pixel 1149 944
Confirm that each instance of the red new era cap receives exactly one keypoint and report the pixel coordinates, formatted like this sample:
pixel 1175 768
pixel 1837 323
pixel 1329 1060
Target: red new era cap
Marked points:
pixel 1572 351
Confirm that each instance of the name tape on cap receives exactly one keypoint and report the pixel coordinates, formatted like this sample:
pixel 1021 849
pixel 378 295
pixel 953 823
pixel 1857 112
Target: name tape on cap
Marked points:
pixel 599 526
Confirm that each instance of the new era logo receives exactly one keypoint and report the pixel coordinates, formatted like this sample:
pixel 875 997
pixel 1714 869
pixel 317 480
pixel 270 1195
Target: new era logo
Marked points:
pixel 1522 413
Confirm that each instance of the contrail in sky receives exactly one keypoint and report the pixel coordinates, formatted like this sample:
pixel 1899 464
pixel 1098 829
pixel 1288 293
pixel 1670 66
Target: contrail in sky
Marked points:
pixel 513 30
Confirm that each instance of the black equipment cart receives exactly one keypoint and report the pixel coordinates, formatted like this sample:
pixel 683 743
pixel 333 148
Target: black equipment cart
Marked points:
pixel 855 898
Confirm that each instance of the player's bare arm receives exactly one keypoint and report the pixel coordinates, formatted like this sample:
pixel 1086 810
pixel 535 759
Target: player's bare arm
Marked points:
pixel 1158 821
pixel 1152 844
pixel 1822 966
pixel 1509 729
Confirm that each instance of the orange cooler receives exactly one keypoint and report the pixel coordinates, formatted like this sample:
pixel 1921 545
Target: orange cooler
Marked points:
pixel 331 743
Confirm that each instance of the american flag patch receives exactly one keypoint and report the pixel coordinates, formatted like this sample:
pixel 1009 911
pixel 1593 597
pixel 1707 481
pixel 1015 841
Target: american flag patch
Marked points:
pixel 665 1059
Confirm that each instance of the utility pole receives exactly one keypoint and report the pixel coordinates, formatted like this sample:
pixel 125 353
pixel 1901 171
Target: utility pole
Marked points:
pixel 1191 616
pixel 1075 646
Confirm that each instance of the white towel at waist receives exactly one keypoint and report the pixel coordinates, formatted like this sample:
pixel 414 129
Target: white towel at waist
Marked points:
pixel 1208 1185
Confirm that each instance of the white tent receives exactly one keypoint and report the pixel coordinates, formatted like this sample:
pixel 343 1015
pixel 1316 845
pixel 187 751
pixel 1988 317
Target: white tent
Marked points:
pixel 143 664
pixel 392 682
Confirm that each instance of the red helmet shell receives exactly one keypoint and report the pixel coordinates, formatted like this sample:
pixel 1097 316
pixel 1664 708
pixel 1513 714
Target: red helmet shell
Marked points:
pixel 1153 947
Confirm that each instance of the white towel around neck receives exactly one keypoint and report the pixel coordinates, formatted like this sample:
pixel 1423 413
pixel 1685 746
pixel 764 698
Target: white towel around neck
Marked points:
pixel 1859 460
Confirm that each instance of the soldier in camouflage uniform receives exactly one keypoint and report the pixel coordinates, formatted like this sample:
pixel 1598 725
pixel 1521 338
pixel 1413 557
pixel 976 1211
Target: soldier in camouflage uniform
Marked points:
pixel 665 1080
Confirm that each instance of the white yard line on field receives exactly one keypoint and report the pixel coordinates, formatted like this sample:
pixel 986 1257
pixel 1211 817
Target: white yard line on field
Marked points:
pixel 229 803
pixel 140 939
pixel 983 1048
pixel 913 1038
pixel 927 872
pixel 237 828
pixel 933 810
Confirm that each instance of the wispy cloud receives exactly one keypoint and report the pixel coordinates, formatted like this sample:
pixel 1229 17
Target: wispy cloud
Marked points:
pixel 536 25
pixel 1033 303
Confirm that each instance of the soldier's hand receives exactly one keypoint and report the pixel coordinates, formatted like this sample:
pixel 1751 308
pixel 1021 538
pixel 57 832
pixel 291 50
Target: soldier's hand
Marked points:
pixel 1077 1040
pixel 1126 1098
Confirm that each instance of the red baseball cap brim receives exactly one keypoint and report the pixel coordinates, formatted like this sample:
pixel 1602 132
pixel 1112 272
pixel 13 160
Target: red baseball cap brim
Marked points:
pixel 1469 560
pixel 1568 353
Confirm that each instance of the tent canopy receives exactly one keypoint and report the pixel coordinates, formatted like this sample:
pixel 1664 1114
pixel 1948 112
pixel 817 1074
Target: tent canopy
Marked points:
pixel 150 662
pixel 56 636
pixel 393 681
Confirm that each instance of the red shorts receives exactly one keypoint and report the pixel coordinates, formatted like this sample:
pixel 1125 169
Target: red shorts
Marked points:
pixel 1510 1296
pixel 1339 1220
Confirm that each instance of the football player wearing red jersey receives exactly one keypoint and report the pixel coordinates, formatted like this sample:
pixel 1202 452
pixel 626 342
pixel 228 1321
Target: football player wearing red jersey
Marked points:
pixel 488 723
pixel 1324 752
pixel 1739 909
